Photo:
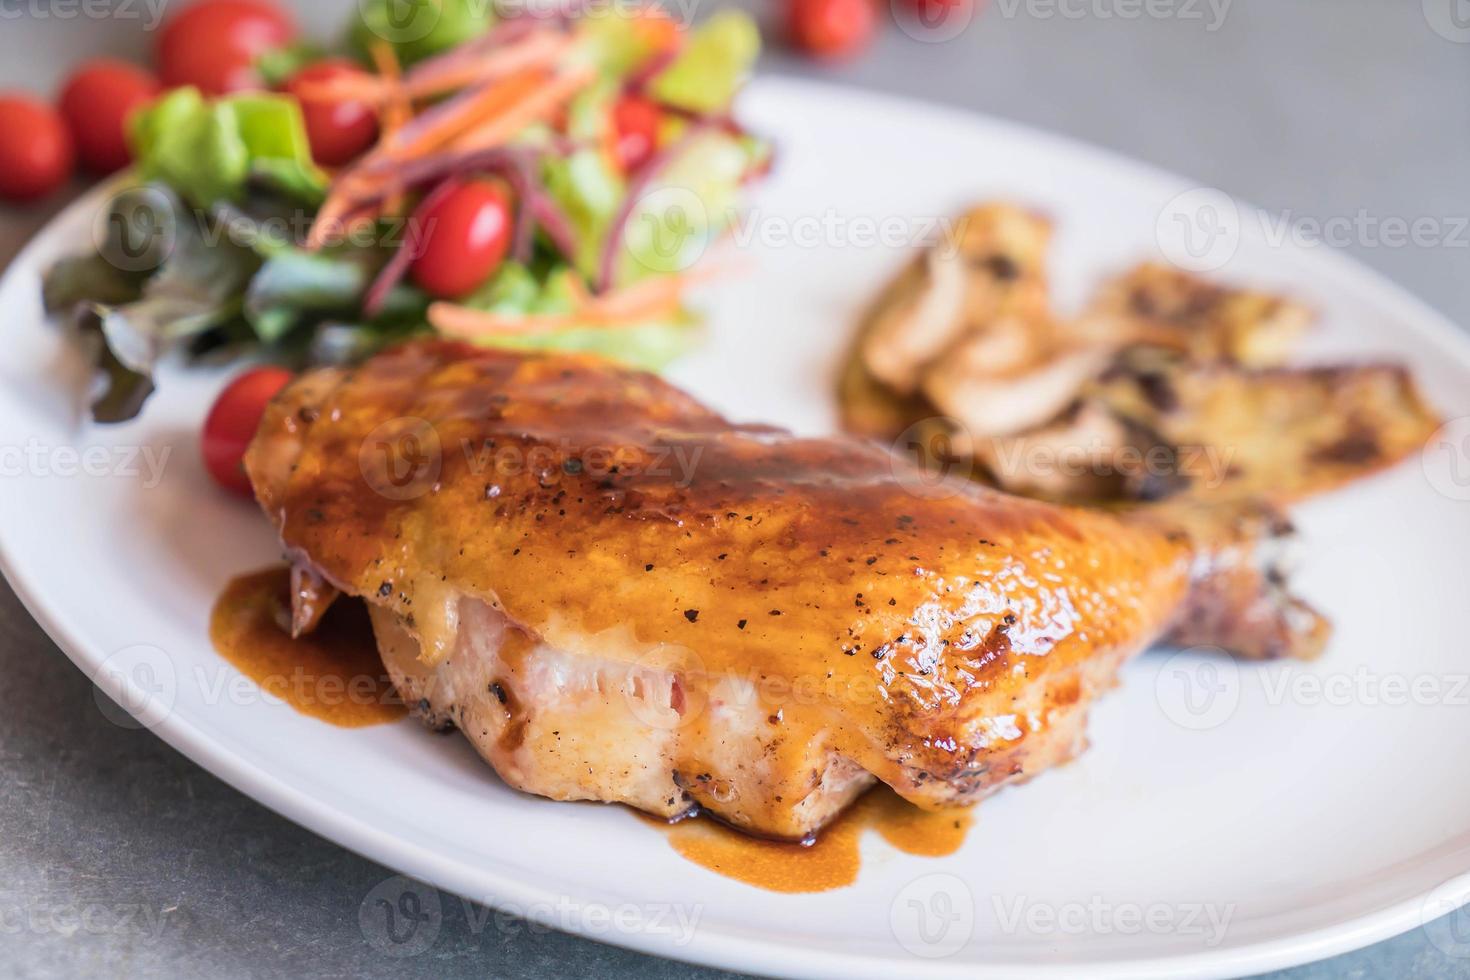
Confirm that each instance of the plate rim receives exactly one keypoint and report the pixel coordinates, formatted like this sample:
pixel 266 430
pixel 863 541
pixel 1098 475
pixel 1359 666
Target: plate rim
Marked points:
pixel 712 945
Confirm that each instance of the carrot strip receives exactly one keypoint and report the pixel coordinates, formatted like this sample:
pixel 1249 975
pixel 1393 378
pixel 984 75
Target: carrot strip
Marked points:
pixel 542 49
pixel 538 104
pixel 628 307
pixel 445 123
pixel 395 110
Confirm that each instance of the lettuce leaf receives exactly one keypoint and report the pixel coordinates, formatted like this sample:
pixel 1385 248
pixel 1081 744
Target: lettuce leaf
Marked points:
pixel 515 291
pixel 713 65
pixel 418 29
pixel 206 150
pixel 684 208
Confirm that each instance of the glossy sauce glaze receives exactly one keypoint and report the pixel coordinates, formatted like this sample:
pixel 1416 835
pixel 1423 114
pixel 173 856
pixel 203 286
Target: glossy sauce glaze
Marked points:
pixel 334 674
pixel 947 644
pixel 833 859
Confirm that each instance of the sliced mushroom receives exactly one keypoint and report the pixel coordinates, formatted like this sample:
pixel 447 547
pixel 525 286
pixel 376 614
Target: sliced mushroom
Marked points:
pixel 989 402
pixel 991 266
pixel 1168 307
pixel 919 316
pixel 1087 455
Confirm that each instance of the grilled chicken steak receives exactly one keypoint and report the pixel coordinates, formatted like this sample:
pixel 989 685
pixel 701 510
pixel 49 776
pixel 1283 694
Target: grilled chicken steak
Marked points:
pixel 618 595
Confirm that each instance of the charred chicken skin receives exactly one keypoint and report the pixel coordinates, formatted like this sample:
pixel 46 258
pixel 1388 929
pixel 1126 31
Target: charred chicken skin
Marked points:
pixel 618 595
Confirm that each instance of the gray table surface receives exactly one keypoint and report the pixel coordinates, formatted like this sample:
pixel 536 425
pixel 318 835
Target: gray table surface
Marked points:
pixel 1323 109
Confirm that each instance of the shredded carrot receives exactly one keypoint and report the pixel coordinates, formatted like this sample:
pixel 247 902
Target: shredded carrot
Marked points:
pixel 639 303
pixel 341 211
pixel 538 104
pixel 542 49
pixel 395 110
pixel 487 103
pixel 500 94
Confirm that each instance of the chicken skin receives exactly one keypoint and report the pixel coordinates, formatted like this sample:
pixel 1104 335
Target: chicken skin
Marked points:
pixel 618 595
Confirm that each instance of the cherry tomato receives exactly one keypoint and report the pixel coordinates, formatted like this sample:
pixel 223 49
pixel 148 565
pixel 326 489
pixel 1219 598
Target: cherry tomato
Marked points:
pixel 213 44
pixel 464 235
pixel 831 28
pixel 339 131
pixel 232 423
pixel 96 102
pixel 36 153
pixel 635 132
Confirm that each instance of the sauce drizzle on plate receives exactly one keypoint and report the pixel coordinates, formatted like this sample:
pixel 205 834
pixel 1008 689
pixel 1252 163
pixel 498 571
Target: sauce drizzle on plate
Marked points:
pixel 333 674
pixel 834 859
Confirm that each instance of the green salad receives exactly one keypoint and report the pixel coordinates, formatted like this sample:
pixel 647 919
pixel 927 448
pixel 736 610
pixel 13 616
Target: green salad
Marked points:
pixel 524 182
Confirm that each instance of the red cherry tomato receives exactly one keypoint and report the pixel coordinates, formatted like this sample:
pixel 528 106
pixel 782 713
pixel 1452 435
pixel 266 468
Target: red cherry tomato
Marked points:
pixel 213 44
pixel 831 28
pixel 464 234
pixel 635 132
pixel 36 153
pixel 339 131
pixel 96 102
pixel 232 423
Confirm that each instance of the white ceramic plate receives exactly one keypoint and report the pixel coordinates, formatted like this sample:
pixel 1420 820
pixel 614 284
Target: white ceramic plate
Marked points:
pixel 1227 820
